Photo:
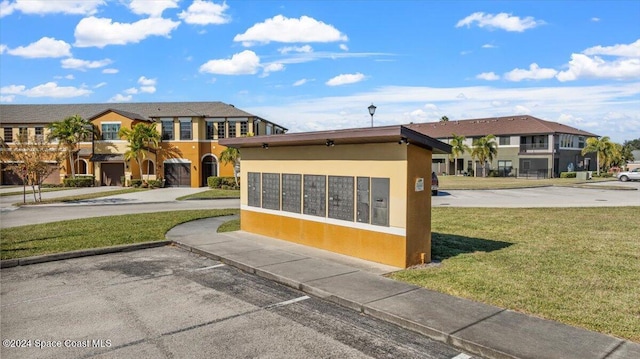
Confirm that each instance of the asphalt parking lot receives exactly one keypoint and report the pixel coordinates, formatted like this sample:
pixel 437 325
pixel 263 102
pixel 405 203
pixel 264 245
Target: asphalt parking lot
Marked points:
pixel 169 303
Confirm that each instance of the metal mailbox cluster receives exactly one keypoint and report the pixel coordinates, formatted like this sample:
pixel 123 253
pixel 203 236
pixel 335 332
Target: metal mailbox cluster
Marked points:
pixel 337 197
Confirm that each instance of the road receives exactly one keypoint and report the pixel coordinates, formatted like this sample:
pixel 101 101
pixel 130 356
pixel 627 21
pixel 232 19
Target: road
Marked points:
pixel 168 303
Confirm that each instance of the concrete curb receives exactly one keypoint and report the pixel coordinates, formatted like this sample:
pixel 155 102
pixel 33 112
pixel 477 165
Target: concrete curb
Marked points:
pixel 8 263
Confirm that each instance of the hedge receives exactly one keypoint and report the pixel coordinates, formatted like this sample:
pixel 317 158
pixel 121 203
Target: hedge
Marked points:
pixel 567 175
pixel 222 182
pixel 84 181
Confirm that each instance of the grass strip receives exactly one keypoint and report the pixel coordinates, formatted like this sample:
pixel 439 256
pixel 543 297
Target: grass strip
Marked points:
pixel 64 236
pixel 230 226
pixel 579 266
pixel 480 183
pixel 214 193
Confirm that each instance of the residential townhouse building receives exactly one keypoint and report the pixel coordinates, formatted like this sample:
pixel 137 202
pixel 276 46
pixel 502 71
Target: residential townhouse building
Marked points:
pixel 527 146
pixel 188 152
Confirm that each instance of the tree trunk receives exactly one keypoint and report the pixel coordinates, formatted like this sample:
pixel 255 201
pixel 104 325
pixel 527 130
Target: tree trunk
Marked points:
pixel 73 167
pixel 455 166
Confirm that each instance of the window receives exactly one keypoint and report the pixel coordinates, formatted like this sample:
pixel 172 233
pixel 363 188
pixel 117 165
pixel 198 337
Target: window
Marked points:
pixel 232 129
pixel 110 131
pixel 185 129
pixel 23 132
pixel 269 129
pixel 221 132
pixel 211 129
pixel 581 142
pixel 505 167
pixel 39 133
pixel 244 128
pixel 505 141
pixel 8 134
pixel 167 130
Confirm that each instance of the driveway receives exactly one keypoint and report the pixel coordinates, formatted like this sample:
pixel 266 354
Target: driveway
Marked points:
pixel 169 303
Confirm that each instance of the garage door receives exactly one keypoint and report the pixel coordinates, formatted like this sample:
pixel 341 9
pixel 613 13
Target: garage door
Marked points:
pixel 177 174
pixel 111 173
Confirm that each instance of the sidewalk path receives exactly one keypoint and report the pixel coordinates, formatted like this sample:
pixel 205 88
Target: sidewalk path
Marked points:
pixel 478 328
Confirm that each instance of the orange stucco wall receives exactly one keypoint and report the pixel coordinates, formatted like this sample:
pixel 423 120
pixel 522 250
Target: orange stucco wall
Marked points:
pixel 374 246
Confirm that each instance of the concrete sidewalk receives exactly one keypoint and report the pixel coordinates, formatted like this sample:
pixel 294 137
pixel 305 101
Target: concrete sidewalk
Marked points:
pixel 478 328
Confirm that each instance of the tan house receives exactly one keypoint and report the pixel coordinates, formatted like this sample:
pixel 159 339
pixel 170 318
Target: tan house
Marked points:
pixel 527 146
pixel 189 149
pixel 360 192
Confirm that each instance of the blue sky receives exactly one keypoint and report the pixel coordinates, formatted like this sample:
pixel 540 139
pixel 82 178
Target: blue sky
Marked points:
pixel 315 65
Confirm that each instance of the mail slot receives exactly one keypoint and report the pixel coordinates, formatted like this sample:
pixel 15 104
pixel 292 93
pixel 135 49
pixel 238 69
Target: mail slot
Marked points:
pixel 380 201
pixel 362 205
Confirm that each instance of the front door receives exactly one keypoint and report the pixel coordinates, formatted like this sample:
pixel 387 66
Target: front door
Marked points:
pixel 111 174
pixel 209 168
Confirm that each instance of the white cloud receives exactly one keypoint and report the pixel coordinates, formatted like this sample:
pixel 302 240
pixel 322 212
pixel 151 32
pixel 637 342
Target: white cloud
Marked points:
pixel 582 66
pixel 84 65
pixel 489 46
pixel 9 98
pixel 3 48
pixel 205 13
pixel 521 110
pixel 502 21
pixel 533 73
pixel 131 91
pixel 243 63
pixel 43 7
pixel 272 67
pixel 345 79
pixel 147 85
pixel 50 89
pixel 300 82
pixel 489 76
pixel 282 29
pixel 152 8
pixel 595 19
pixel 344 47
pixel 120 98
pixel 100 32
pixel 110 71
pixel 46 47
pixel 624 50
pixel 300 49
pixel 102 84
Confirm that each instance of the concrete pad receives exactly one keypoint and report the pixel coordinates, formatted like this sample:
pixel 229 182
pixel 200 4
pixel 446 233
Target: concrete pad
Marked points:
pixel 353 290
pixel 248 261
pixel 517 335
pixel 431 313
pixel 301 271
pixel 198 231
pixel 625 351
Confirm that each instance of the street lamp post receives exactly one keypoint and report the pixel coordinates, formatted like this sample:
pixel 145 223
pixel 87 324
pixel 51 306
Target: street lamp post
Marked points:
pixel 372 110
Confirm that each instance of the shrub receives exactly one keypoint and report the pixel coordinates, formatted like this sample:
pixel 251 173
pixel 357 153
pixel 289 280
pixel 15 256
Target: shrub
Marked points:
pixel 83 181
pixel 136 183
pixel 567 175
pixel 494 173
pixel 155 183
pixel 222 182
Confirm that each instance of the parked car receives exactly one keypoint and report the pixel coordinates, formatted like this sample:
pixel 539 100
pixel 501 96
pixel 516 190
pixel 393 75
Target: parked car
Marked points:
pixel 434 184
pixel 633 175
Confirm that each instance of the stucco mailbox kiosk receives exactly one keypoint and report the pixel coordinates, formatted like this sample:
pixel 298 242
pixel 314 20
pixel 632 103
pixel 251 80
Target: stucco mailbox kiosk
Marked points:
pixel 359 192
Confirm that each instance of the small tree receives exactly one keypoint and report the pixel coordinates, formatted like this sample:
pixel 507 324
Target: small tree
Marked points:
pixel 458 148
pixel 32 160
pixel 142 138
pixel 485 148
pixel 602 147
pixel 444 119
pixel 69 132
pixel 231 155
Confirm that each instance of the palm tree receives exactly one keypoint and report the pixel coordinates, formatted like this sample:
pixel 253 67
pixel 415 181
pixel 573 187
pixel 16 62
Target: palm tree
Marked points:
pixel 444 119
pixel 458 148
pixel 142 138
pixel 69 132
pixel 602 147
pixel 485 148
pixel 231 155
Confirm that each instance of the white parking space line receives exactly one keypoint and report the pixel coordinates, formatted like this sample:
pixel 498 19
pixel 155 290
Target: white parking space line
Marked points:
pixel 462 356
pixel 210 267
pixel 287 302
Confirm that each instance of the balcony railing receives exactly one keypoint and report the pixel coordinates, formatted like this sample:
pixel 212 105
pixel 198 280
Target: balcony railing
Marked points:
pixel 534 147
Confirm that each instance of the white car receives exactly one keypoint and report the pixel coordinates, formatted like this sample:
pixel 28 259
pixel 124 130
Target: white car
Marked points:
pixel 633 175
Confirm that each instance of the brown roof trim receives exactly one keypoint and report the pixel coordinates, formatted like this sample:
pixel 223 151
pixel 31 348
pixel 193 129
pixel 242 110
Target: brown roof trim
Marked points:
pixel 129 115
pixel 384 134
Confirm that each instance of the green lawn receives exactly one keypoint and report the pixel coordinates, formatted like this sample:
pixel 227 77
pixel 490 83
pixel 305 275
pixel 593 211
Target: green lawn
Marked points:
pixel 462 182
pixel 214 193
pixel 56 237
pixel 579 266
